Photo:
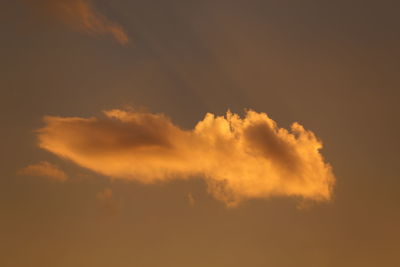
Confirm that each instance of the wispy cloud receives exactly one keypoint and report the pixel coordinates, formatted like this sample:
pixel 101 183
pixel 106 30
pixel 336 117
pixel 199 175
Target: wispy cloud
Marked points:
pixel 109 203
pixel 105 194
pixel 191 199
pixel 82 16
pixel 240 158
pixel 45 169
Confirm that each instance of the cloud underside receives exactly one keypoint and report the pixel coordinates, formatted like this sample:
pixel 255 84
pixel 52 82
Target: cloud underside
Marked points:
pixel 82 16
pixel 239 158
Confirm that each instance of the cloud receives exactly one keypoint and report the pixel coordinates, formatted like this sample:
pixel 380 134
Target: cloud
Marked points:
pixel 45 169
pixel 105 195
pixel 109 205
pixel 191 199
pixel 82 16
pixel 239 158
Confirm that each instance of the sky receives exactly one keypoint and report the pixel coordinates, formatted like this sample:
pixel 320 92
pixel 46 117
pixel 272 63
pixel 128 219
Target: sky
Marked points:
pixel 199 133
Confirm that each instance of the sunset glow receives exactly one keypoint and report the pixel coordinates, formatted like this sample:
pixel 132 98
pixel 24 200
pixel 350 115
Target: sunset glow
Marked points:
pixel 179 133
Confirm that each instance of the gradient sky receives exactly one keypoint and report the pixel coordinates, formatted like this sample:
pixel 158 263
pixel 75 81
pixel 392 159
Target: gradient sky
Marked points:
pixel 332 66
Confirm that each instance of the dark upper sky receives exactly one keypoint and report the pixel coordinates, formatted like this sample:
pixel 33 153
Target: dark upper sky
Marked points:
pixel 333 66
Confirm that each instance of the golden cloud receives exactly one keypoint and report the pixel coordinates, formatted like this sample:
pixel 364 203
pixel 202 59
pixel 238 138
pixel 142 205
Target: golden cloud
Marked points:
pixel 82 16
pixel 45 169
pixel 239 158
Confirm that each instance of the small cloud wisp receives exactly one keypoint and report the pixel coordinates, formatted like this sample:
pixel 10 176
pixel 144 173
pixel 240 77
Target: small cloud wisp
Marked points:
pixel 45 169
pixel 239 158
pixel 82 16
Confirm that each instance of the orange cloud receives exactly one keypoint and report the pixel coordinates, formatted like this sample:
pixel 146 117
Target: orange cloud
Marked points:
pixel 45 169
pixel 82 16
pixel 239 158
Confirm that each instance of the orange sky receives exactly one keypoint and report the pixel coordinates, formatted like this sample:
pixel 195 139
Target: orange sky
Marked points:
pixel 199 133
